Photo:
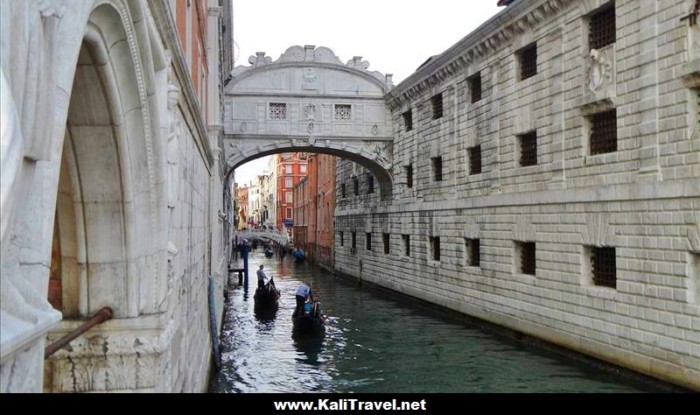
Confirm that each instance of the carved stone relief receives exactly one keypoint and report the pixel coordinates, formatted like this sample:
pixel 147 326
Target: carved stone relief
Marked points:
pixel 599 73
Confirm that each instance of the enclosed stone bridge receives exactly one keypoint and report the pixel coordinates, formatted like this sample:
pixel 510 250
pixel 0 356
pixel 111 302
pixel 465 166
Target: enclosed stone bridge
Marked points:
pixel 309 101
pixel 280 238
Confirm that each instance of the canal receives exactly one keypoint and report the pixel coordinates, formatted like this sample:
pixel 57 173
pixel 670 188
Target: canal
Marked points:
pixel 376 342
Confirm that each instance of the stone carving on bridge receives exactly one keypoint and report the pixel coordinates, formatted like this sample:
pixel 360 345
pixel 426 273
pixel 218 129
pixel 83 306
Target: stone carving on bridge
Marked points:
pixel 599 70
pixel 310 112
pixel 309 79
pixel 244 127
pixel 311 128
pixel 380 154
pixel 310 54
pixel 312 141
pixel 375 129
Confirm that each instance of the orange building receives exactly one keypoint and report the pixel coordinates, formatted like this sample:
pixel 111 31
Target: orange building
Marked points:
pixel 291 169
pixel 314 206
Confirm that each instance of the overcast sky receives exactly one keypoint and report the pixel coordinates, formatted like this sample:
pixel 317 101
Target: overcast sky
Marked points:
pixel 395 36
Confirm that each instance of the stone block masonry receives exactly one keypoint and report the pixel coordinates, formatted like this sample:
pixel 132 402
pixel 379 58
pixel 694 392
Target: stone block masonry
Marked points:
pixel 593 246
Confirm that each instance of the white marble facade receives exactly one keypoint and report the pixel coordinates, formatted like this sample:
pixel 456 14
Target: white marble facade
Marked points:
pixel 95 138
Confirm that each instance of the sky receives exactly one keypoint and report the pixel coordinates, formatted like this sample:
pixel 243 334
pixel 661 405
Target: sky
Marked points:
pixel 395 36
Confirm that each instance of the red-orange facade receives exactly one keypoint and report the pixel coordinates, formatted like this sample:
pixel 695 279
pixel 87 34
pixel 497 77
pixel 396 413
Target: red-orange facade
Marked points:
pixel 291 169
pixel 313 209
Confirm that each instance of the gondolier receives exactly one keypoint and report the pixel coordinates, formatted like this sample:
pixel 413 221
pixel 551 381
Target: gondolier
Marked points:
pixel 303 293
pixel 261 276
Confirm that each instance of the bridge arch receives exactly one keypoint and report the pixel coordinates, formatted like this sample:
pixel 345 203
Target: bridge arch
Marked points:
pixel 309 101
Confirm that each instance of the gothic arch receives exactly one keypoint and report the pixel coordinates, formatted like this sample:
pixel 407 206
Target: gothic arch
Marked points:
pixel 111 171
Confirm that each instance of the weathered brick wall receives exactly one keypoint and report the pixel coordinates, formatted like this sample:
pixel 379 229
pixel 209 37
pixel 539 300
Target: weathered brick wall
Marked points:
pixel 642 199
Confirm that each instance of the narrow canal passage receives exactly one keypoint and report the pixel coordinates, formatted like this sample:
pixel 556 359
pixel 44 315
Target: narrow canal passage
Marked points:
pixel 374 343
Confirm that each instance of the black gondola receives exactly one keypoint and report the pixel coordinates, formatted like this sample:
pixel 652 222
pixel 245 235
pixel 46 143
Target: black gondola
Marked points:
pixel 269 252
pixel 268 296
pixel 310 320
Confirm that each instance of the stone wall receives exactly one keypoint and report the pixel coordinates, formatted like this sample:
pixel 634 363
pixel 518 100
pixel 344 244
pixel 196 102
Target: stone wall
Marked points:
pixel 126 165
pixel 642 199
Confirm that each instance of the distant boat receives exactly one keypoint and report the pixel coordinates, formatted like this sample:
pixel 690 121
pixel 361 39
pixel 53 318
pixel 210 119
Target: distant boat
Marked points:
pixel 298 255
pixel 269 253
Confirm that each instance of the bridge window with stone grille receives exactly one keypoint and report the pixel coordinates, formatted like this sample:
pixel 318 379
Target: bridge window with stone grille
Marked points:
pixel 386 239
pixel 343 193
pixel 601 28
pixel 475 87
pixel 603 266
pixel 528 148
pixel 437 168
pixel 603 127
pixel 368 241
pixel 473 254
pixel 435 247
pixel 343 112
pixel 355 186
pixel 353 240
pixel 406 244
pixel 370 183
pixel 474 159
pixel 525 255
pixel 342 238
pixel 528 61
pixel 409 175
pixel 278 111
pixel 436 105
pixel 408 120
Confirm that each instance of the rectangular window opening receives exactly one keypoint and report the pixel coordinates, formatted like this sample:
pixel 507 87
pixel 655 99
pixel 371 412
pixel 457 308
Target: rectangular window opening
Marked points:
pixel 474 159
pixel 528 149
pixel 437 168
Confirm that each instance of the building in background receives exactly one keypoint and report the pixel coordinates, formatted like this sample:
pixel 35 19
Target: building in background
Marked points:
pixel 314 205
pixel 243 206
pixel 290 169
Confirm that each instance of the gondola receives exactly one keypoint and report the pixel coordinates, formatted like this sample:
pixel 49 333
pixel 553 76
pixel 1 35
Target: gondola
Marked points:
pixel 267 297
pixel 310 321
pixel 298 255
pixel 269 252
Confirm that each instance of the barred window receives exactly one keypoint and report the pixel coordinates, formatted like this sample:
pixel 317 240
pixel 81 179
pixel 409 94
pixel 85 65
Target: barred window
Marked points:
pixel 386 239
pixel 603 266
pixel 342 239
pixel 474 159
pixel 342 190
pixel 355 186
pixel 604 132
pixel 436 103
pixel 526 257
pixel 528 149
pixel 601 28
pixel 437 168
pixel 353 239
pixel 370 183
pixel 278 111
pixel 342 112
pixel 475 87
pixel 368 241
pixel 409 175
pixel 528 61
pixel 406 244
pixel 473 253
pixel 408 120
pixel 435 247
